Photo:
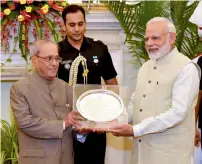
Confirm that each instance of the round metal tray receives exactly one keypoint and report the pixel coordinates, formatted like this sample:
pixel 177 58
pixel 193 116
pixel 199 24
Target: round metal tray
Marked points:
pixel 100 105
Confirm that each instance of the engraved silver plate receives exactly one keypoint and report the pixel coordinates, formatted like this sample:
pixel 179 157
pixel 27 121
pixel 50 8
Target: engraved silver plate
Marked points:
pixel 100 105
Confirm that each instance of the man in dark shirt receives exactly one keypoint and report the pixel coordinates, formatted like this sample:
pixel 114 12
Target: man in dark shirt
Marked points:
pixel 199 108
pixel 99 64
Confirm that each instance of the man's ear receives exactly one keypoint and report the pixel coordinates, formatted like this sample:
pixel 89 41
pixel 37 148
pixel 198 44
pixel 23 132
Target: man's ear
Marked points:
pixel 33 60
pixel 172 38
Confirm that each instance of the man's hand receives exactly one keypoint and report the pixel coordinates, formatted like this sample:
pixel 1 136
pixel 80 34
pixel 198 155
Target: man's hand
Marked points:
pixel 122 130
pixel 105 129
pixel 73 119
pixel 197 139
pixel 99 130
pixel 83 130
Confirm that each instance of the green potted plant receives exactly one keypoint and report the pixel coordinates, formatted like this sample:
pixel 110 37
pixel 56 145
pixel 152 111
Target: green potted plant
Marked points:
pixel 9 142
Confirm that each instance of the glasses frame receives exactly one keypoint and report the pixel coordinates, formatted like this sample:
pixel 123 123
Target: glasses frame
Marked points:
pixel 51 60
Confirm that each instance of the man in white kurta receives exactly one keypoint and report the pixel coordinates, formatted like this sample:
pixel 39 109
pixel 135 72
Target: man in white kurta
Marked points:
pixel 165 97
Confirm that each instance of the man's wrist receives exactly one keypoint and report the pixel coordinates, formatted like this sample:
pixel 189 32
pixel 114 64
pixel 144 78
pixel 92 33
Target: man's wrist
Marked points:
pixel 137 130
pixel 64 126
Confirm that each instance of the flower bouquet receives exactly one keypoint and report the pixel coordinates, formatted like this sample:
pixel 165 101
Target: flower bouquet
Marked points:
pixel 18 16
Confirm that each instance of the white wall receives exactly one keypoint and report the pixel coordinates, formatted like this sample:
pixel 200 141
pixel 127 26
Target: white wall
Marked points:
pixel 5 105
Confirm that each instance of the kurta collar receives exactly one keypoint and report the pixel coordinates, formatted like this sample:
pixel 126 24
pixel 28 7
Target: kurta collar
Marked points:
pixel 43 80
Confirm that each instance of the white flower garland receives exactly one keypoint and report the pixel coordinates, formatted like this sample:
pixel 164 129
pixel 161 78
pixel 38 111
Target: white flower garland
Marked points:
pixel 74 70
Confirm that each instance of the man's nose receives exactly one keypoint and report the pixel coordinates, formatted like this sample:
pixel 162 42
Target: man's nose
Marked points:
pixel 149 42
pixel 76 28
pixel 54 62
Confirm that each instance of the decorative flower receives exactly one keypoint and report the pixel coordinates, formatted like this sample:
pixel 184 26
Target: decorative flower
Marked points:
pixel 22 2
pixel 40 13
pixel 7 11
pixel 28 9
pixel 20 18
pixel 64 4
pixel 12 6
pixel 45 8
pixel 1 14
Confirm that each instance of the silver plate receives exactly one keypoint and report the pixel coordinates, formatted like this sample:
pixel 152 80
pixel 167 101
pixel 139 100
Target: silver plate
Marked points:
pixel 100 105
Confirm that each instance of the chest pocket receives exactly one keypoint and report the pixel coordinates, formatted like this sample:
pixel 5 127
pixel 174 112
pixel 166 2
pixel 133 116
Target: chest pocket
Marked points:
pixel 93 65
pixel 93 62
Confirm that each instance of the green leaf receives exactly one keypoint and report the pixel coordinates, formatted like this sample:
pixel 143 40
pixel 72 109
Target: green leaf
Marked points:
pixel 13 14
pixel 8 60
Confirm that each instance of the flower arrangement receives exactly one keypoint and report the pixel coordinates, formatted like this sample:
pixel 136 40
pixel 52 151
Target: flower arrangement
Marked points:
pixel 20 17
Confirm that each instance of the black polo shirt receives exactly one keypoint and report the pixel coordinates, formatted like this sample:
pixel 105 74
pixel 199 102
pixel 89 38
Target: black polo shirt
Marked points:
pixel 99 61
pixel 199 62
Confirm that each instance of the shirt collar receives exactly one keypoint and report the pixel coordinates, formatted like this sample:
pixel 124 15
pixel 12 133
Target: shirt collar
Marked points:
pixel 86 43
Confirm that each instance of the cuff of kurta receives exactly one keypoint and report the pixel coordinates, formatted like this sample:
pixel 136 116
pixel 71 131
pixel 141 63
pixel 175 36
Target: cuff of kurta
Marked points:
pixel 59 131
pixel 63 125
pixel 137 130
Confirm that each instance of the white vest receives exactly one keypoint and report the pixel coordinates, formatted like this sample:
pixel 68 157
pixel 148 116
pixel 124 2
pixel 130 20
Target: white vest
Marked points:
pixel 154 96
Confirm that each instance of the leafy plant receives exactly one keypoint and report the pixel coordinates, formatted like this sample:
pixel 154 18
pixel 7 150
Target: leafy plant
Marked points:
pixel 17 17
pixel 133 19
pixel 9 142
pixel 187 36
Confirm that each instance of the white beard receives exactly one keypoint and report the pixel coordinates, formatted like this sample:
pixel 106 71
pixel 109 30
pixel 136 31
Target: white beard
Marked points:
pixel 164 50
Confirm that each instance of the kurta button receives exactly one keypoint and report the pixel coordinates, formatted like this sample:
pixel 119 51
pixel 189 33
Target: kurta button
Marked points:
pixel 56 104
pixel 51 90
pixel 140 140
pixel 144 95
pixel 155 67
pixel 149 81
pixel 140 110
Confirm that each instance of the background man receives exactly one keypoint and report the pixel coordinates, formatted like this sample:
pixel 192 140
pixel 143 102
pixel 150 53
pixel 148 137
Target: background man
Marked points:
pixel 198 112
pixel 99 64
pixel 43 116
pixel 198 109
pixel 196 18
pixel 165 98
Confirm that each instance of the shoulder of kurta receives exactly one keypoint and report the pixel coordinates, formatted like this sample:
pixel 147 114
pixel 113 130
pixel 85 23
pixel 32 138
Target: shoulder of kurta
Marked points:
pixel 21 82
pixel 145 65
pixel 62 82
pixel 185 57
pixel 20 85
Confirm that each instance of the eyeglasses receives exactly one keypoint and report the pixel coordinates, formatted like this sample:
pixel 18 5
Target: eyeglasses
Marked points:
pixel 155 38
pixel 50 59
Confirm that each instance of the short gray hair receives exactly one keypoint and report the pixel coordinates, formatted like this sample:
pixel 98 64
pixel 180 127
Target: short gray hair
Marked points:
pixel 171 26
pixel 35 48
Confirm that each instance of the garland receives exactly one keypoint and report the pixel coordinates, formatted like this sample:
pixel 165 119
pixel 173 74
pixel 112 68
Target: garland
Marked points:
pixel 19 17
pixel 74 70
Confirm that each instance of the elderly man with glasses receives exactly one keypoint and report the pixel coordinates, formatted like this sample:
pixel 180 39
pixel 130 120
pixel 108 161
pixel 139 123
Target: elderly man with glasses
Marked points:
pixel 41 105
pixel 165 97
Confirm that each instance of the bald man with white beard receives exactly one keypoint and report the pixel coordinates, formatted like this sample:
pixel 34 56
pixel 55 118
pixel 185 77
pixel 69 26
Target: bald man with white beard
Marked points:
pixel 166 94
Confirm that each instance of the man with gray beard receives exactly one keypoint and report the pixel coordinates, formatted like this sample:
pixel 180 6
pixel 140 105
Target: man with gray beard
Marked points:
pixel 165 96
